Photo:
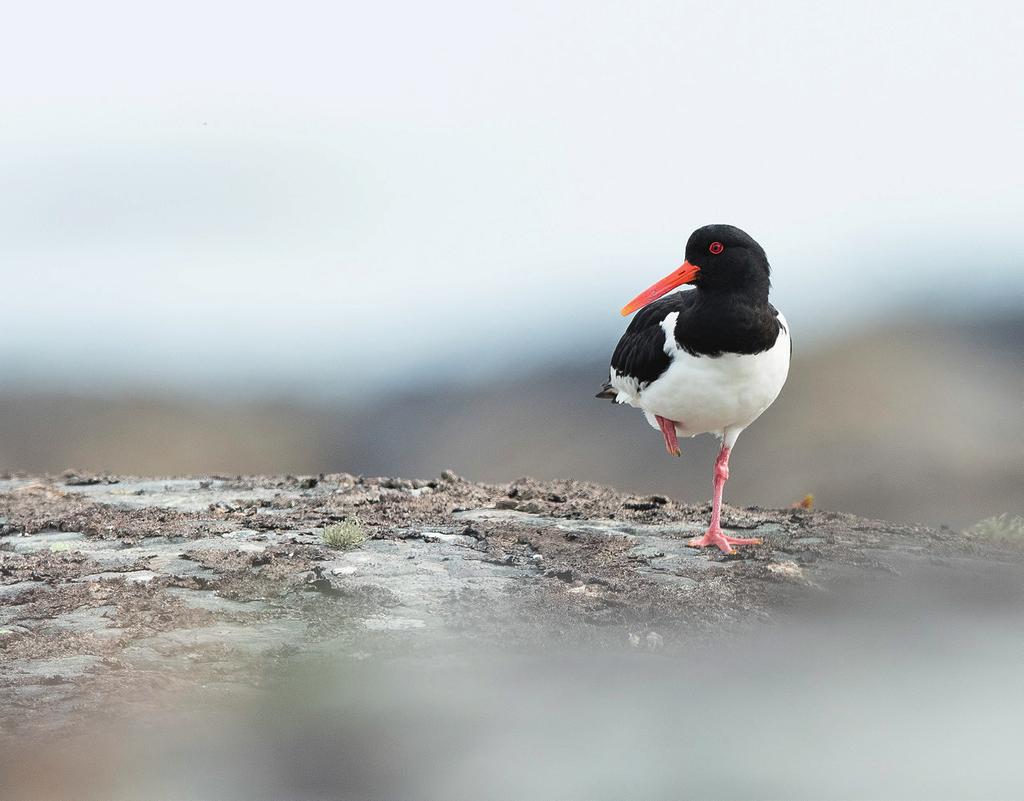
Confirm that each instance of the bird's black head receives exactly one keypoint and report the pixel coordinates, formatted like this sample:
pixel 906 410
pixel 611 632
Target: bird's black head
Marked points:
pixel 727 259
pixel 719 258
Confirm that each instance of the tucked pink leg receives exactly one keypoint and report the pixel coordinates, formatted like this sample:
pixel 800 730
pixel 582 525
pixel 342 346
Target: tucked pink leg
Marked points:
pixel 668 431
pixel 715 536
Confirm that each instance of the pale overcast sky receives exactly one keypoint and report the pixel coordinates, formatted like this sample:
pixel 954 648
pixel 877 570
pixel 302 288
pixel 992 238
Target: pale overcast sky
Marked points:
pixel 307 196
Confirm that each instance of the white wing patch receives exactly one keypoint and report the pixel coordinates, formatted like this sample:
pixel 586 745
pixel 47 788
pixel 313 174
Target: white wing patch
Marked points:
pixel 668 325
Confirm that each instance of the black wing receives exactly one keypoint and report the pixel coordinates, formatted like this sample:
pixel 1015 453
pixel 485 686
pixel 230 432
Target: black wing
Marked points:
pixel 640 353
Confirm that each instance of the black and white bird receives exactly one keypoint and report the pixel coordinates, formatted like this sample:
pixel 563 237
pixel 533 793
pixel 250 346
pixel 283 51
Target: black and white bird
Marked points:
pixel 708 360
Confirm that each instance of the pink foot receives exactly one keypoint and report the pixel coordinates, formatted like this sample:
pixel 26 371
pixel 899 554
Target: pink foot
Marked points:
pixel 720 540
pixel 668 431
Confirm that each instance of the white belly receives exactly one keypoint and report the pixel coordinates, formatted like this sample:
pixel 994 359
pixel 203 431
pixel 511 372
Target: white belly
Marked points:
pixel 712 394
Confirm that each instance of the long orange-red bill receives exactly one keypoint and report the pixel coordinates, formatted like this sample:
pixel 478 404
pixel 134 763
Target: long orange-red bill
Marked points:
pixel 684 275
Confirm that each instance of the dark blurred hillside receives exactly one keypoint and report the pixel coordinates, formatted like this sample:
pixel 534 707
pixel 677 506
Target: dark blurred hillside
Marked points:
pixel 917 423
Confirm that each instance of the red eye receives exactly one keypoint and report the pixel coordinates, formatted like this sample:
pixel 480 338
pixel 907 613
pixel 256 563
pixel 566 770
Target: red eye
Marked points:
pixel 716 248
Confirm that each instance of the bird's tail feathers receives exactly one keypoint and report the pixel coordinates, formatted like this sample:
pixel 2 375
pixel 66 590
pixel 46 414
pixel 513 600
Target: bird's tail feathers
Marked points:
pixel 607 393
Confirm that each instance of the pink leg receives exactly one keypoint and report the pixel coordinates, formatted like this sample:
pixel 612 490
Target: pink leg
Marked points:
pixel 668 431
pixel 715 535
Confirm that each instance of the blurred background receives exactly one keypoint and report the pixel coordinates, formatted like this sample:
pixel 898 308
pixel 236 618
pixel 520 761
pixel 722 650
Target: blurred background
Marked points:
pixel 393 238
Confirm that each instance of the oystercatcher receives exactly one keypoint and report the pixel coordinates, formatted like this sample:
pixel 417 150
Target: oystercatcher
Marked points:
pixel 707 360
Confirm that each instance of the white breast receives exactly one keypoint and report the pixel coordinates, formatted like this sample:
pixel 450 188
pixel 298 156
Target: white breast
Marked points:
pixel 712 394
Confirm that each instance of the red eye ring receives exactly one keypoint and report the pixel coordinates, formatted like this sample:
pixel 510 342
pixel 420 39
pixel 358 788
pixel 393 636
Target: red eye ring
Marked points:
pixel 716 248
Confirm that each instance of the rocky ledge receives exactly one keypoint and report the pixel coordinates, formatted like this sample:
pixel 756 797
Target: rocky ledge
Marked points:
pixel 114 589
